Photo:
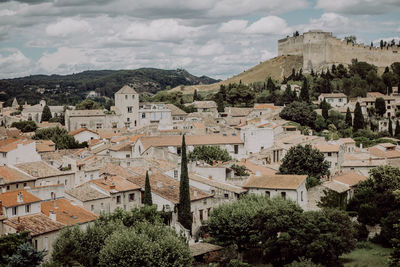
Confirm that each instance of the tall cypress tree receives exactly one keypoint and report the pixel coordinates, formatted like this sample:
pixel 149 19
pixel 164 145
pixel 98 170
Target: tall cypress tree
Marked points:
pixel 397 130
pixel 349 119
pixel 195 96
pixel 270 85
pixel 325 109
pixel 358 122
pixel 390 127
pixel 184 213
pixel 304 96
pixel 46 114
pixel 148 200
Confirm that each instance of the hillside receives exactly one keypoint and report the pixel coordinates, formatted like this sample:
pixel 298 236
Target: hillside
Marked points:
pixel 70 89
pixel 276 68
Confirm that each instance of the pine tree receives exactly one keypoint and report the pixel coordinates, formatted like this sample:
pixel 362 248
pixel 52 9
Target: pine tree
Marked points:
pixel 390 128
pixel 148 200
pixel 358 122
pixel 270 85
pixel 195 96
pixel 304 96
pixel 46 114
pixel 349 119
pixel 184 213
pixel 397 130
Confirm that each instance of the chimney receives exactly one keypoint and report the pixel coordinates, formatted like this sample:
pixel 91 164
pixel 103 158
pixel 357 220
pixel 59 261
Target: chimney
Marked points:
pixel 195 193
pixel 53 216
pixel 20 197
pixel 112 186
pixel 159 184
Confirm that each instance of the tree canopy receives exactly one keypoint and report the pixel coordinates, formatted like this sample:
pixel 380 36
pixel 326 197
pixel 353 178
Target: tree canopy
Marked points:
pixel 25 126
pixel 59 136
pixel 46 114
pixel 300 112
pixel 209 154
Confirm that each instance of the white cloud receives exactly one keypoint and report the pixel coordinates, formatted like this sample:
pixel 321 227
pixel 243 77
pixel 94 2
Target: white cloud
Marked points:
pixel 233 26
pixel 359 6
pixel 331 22
pixel 67 27
pixel 13 63
pixel 269 25
pixel 158 30
pixel 64 60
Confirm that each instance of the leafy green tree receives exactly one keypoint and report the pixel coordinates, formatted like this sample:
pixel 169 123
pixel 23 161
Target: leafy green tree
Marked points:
pixel 25 126
pixel 196 96
pixel 304 160
pixel 395 256
pixel 184 210
pixel 9 245
pixel 209 154
pixel 59 136
pixel 145 245
pixel 349 119
pixel 46 114
pixel 240 95
pixel 147 191
pixel 300 112
pixel 380 106
pixel 319 123
pixel 304 92
pixel 25 255
pixel 240 170
pixel 333 199
pixel 87 104
pixel 351 39
pixel 358 121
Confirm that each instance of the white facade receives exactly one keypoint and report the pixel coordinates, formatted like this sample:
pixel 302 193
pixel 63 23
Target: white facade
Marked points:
pixel 335 100
pixel 127 103
pixel 255 139
pixel 24 152
pixel 86 136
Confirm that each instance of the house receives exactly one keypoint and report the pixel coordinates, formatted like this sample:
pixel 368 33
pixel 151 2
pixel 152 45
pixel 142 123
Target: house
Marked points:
pixel 12 179
pixel 19 203
pixel 336 100
pixel 122 150
pixel 45 146
pixel 350 179
pixel 332 154
pixel 178 115
pixel 165 194
pixel 84 135
pixel 369 102
pixel 387 151
pixel 287 186
pixel 257 137
pixel 232 143
pixel 46 174
pixel 63 211
pixel 205 107
pixel 14 151
pixel 150 113
pixel 260 110
pixel 90 197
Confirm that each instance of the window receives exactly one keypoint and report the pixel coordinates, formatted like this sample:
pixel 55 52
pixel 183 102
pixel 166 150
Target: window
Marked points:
pixel 92 207
pixel 127 156
pixel 236 148
pixel 14 211
pixel 118 199
pixel 65 182
pixel 205 201
pixel 8 187
pixel 226 195
pixel 98 126
pixel 283 195
pixel 27 208
pixel 201 215
pixel 267 194
pixel 36 247
pixel 143 115
pixel 301 195
pixel 133 96
pixel 129 109
pixel 178 150
pixel 340 99
pixel 126 96
pixel 114 125
pixel 131 197
pixel 83 125
pixel 175 174
pixel 208 212
pixel 16 185
pixel 25 184
pixel 329 154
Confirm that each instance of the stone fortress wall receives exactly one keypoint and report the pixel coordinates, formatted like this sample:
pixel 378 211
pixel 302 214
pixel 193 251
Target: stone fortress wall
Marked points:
pixel 321 50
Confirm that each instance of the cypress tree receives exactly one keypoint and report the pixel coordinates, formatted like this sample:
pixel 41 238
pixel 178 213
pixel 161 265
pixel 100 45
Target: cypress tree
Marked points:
pixel 46 114
pixel 195 96
pixel 270 85
pixel 304 96
pixel 397 130
pixel 349 119
pixel 358 122
pixel 148 200
pixel 184 213
pixel 325 109
pixel 390 127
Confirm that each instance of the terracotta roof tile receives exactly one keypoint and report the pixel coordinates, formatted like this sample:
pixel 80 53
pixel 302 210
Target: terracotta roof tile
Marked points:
pixel 80 130
pixel 254 168
pixel 39 169
pixel 327 147
pixel 334 95
pixel 265 106
pixel 86 192
pixel 9 199
pixel 350 178
pixel 11 146
pixel 115 184
pixel 67 213
pixel 37 224
pixel 275 181
pixel 10 175
pixel 216 184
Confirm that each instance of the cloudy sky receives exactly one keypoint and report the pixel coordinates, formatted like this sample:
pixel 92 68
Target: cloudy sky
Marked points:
pixel 218 38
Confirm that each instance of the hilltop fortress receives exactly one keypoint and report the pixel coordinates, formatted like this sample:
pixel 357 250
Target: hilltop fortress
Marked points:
pixel 321 49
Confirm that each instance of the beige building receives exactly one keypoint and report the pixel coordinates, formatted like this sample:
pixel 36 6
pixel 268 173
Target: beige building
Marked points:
pixel 336 100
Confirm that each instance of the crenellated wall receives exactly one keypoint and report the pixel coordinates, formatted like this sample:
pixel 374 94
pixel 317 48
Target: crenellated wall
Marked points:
pixel 321 50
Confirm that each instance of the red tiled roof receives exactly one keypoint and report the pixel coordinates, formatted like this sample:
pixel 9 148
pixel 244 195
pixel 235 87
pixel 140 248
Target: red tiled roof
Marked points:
pixel 80 130
pixel 9 199
pixel 36 224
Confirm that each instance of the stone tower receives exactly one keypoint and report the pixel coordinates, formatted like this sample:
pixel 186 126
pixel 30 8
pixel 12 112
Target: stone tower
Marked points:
pixel 127 104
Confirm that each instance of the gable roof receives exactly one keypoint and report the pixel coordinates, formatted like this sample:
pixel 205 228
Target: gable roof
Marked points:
pixel 350 178
pixel 265 106
pixel 39 169
pixel 14 145
pixel 114 184
pixel 275 181
pixel 10 175
pixel 325 147
pixel 254 168
pixel 67 213
pixel 126 89
pixel 86 192
pixel 9 199
pixel 36 224
pixel 80 130
pixel 175 111
pixel 216 184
